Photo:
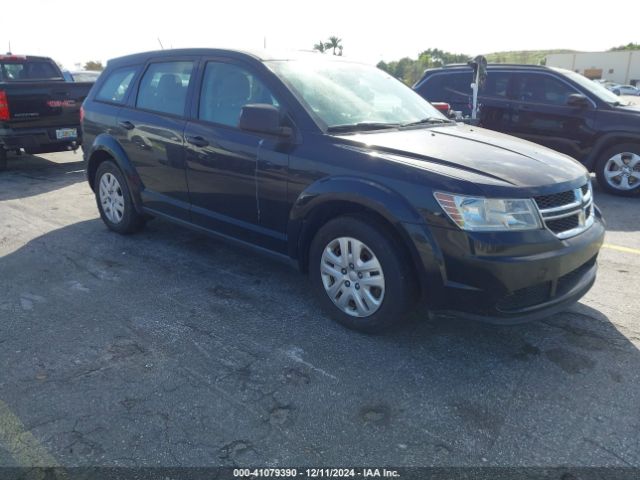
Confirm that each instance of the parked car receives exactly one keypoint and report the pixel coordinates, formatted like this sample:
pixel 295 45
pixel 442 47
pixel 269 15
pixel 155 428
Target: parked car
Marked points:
pixel 80 76
pixel 39 111
pixel 556 108
pixel 348 173
pixel 625 90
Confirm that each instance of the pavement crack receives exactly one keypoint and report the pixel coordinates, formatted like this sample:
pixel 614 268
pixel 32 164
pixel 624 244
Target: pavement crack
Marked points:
pixel 609 451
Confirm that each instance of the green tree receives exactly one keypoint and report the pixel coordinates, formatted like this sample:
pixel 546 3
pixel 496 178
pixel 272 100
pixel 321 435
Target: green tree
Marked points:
pixel 334 43
pixel 320 46
pixel 628 46
pixel 410 71
pixel 438 58
pixel 95 66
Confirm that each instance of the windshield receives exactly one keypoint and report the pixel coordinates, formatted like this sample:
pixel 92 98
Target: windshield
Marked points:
pixel 592 87
pixel 341 93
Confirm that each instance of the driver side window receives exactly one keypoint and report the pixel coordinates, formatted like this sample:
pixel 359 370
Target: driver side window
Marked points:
pixel 539 88
pixel 226 88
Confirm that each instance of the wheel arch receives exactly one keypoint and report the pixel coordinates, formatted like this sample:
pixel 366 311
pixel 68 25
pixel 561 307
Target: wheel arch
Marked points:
pixel 334 197
pixel 607 141
pixel 105 148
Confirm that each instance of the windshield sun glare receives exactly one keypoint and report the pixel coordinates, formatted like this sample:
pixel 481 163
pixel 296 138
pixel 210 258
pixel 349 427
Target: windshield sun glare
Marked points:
pixel 343 93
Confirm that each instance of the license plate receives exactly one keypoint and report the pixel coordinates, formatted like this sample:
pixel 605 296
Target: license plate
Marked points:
pixel 63 133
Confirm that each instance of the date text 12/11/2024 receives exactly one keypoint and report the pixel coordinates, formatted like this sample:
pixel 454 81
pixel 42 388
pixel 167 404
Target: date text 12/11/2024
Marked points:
pixel 316 473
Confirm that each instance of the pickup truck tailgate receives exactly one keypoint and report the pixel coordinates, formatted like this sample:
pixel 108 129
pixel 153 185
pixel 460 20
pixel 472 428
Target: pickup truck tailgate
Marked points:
pixel 44 104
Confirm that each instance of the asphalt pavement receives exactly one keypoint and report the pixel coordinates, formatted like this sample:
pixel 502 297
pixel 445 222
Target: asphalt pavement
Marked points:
pixel 168 348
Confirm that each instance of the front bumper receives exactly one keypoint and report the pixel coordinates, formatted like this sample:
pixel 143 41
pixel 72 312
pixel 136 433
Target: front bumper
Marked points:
pixel 506 277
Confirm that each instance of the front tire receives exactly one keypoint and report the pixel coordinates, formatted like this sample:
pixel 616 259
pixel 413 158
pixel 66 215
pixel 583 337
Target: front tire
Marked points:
pixel 114 200
pixel 618 170
pixel 360 275
pixel 3 159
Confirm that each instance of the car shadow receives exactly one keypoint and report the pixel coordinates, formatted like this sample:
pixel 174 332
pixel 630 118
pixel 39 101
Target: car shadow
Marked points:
pixel 170 335
pixel 29 175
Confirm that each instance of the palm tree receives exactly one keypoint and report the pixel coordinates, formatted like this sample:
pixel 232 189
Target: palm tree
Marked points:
pixel 320 46
pixel 334 43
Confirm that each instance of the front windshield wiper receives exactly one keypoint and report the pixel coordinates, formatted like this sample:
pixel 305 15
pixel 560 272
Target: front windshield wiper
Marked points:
pixel 428 120
pixel 354 127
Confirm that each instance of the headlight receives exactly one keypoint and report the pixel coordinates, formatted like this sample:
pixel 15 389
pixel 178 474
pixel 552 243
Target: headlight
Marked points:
pixel 489 214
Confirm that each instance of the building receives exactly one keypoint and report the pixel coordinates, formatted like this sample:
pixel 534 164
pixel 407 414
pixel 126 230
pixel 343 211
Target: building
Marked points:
pixel 619 67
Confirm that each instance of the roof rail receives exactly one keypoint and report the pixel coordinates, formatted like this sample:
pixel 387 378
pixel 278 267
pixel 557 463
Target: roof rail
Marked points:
pixel 526 65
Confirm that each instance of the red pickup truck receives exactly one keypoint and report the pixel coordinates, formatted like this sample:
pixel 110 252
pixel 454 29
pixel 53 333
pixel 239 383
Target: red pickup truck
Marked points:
pixel 39 110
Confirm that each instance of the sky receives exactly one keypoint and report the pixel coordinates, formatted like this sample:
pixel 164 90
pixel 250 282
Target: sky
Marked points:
pixel 76 31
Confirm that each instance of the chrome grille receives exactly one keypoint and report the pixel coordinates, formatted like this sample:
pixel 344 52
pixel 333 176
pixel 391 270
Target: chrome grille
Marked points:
pixel 567 213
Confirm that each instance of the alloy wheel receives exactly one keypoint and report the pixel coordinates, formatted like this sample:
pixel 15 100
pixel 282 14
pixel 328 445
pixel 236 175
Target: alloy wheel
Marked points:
pixel 622 171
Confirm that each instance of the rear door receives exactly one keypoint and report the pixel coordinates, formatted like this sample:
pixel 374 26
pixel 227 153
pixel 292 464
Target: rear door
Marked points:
pixel 101 112
pixel 235 177
pixel 150 129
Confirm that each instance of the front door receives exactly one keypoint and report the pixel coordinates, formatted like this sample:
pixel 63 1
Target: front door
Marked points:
pixel 226 165
pixel 540 114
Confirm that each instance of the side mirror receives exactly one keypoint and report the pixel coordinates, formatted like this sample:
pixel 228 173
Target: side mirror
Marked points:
pixel 577 100
pixel 263 118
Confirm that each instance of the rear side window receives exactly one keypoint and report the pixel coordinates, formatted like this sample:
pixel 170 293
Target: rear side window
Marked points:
pixel 447 87
pixel 458 86
pixel 28 71
pixel 163 87
pixel 115 87
pixel 432 88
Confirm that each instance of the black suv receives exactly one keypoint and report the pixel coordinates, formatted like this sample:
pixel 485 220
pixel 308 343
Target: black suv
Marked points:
pixel 348 173
pixel 557 108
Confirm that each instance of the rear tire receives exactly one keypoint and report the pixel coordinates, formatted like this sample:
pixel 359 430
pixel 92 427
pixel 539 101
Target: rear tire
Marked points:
pixel 3 159
pixel 377 290
pixel 114 200
pixel 625 159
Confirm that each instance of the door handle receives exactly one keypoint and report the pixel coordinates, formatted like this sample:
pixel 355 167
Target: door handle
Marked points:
pixel 127 125
pixel 198 141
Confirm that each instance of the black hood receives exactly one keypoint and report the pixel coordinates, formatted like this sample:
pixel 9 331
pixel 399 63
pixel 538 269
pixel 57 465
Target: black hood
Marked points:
pixel 490 157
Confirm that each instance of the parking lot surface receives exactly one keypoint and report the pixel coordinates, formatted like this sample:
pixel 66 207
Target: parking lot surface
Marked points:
pixel 168 348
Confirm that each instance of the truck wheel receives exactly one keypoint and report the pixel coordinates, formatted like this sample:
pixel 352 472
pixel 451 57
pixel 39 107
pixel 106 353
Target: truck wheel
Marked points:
pixel 3 159
pixel 359 275
pixel 618 170
pixel 114 200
